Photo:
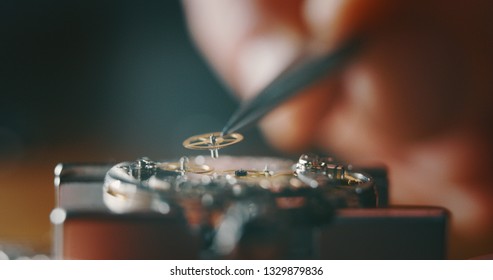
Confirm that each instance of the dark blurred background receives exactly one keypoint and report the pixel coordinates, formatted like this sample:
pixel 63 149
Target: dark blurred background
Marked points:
pixel 95 81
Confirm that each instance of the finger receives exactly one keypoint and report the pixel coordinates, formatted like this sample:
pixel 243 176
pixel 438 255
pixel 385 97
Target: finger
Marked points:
pixel 291 127
pixel 217 26
pixel 295 125
pixel 248 42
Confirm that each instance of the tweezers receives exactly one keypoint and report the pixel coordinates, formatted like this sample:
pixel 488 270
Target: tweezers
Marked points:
pixel 290 82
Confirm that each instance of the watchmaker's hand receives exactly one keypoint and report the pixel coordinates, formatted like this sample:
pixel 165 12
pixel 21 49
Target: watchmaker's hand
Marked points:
pixel 418 99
